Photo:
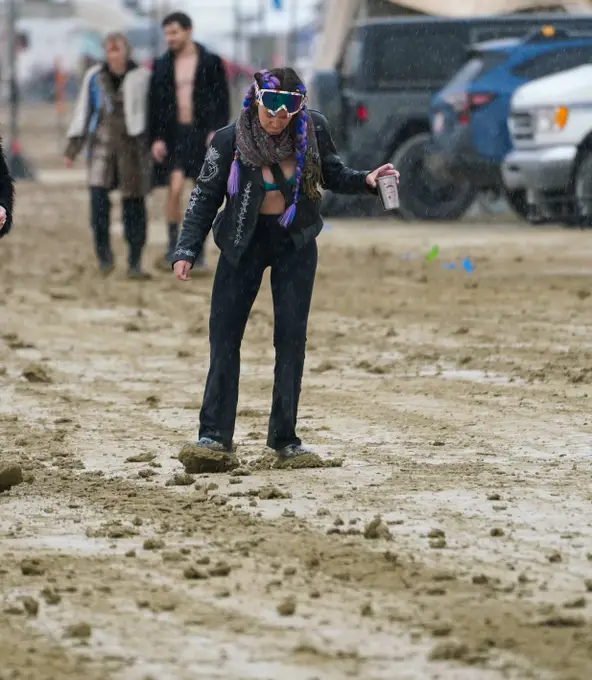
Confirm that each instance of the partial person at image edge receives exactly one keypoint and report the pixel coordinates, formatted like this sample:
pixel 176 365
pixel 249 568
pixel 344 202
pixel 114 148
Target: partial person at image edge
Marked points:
pixel 189 101
pixel 269 166
pixel 6 195
pixel 110 117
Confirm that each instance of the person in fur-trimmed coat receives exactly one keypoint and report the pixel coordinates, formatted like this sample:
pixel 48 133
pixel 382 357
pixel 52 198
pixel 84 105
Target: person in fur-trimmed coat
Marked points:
pixel 6 195
pixel 111 117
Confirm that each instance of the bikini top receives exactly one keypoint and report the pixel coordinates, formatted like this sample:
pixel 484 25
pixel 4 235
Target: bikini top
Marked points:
pixel 275 187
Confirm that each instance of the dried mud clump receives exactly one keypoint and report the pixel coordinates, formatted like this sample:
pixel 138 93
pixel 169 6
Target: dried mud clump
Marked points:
pixel 180 479
pixel 198 461
pixel 272 461
pixel 269 493
pixel 30 605
pixel 32 567
pixel 35 373
pixel 11 475
pixel 377 529
pixel 308 460
pixel 141 458
pixel 50 596
pixel 287 607
pixel 449 651
pixel 80 631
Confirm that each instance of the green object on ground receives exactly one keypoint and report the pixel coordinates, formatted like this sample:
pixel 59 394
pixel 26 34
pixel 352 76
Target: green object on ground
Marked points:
pixel 433 254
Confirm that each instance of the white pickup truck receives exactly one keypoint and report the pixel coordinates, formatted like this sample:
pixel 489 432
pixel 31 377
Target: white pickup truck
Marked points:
pixel 550 125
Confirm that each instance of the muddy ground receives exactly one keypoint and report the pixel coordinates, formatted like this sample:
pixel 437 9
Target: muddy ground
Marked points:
pixel 454 405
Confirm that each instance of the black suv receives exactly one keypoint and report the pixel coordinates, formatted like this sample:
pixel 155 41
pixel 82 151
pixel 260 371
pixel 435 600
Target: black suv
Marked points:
pixel 378 98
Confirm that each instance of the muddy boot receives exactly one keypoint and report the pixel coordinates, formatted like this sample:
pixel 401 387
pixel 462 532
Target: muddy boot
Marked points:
pixel 293 451
pixel 136 273
pixel 173 235
pixel 106 267
pixel 211 445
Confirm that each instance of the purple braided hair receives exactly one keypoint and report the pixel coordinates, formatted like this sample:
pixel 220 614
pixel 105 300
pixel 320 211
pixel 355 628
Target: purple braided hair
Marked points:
pixel 270 82
pixel 301 146
pixel 234 168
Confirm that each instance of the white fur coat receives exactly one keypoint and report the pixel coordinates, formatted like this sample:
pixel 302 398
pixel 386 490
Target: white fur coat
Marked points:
pixel 136 84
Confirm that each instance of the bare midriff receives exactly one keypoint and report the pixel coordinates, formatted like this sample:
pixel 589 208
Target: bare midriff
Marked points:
pixel 273 203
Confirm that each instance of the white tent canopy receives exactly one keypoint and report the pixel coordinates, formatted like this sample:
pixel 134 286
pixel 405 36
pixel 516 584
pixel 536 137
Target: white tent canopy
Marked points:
pixel 340 14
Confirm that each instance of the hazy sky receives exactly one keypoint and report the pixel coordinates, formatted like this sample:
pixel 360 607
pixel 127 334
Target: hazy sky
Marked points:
pixel 214 20
pixel 218 15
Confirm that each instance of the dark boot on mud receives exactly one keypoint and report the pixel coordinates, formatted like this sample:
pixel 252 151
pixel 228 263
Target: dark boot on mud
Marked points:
pixel 166 262
pixel 212 445
pixel 293 451
pixel 106 267
pixel 136 273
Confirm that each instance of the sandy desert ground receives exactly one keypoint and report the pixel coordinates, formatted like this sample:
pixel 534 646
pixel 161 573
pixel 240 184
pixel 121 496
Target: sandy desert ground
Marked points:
pixel 455 406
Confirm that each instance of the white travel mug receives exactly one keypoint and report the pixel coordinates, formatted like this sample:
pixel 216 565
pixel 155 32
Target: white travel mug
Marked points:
pixel 388 192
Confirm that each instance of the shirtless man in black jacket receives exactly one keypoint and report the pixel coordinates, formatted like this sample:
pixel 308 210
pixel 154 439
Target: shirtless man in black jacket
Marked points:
pixel 189 101
pixel 6 195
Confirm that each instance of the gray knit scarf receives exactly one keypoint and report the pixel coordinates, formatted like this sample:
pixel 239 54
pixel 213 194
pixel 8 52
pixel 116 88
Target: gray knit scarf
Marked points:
pixel 257 148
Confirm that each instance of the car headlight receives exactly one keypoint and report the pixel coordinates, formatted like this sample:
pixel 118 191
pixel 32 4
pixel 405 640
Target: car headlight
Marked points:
pixel 552 119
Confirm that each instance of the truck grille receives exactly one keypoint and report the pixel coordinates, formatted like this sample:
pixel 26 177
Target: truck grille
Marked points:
pixel 521 127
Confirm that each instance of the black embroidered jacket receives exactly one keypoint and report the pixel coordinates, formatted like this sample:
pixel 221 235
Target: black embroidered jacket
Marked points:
pixel 6 193
pixel 234 226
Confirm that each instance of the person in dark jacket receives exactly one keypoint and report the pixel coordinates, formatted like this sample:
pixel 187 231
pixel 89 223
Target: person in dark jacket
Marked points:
pixel 189 101
pixel 269 166
pixel 6 195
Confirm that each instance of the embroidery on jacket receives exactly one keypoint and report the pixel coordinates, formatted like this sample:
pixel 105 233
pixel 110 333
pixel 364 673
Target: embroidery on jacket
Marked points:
pixel 210 168
pixel 185 251
pixel 196 195
pixel 242 213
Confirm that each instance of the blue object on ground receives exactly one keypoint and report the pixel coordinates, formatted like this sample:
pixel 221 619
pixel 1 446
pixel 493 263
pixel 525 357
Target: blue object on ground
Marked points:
pixel 468 265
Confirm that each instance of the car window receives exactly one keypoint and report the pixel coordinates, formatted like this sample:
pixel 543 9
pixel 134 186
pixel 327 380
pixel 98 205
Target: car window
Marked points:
pixel 554 61
pixel 466 74
pixel 416 60
pixel 521 29
pixel 498 31
pixel 350 61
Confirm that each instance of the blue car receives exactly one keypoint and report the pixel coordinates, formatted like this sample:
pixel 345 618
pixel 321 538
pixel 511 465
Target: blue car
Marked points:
pixel 469 116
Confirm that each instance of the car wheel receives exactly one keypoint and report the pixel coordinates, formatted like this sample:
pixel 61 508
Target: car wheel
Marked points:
pixel 332 205
pixel 517 201
pixel 422 197
pixel 583 190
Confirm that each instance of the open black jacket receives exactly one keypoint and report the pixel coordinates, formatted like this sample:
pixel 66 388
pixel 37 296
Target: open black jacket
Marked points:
pixel 211 106
pixel 6 193
pixel 234 226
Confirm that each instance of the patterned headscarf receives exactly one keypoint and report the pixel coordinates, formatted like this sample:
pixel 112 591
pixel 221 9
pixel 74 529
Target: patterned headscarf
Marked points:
pixel 257 148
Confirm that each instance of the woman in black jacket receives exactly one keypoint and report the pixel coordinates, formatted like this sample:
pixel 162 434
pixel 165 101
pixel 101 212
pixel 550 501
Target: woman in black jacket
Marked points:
pixel 269 165
pixel 6 195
